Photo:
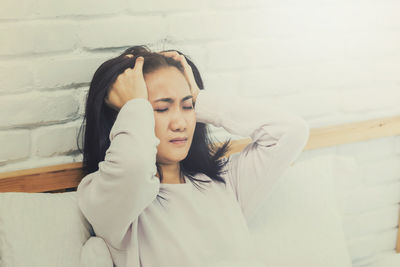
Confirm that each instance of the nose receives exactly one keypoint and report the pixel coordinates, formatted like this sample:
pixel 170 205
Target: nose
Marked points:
pixel 178 122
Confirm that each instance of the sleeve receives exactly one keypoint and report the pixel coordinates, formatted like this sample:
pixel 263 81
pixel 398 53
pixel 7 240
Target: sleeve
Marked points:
pixel 125 183
pixel 277 139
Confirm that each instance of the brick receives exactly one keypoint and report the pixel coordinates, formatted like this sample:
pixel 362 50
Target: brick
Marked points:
pixel 203 26
pixel 228 4
pixel 325 151
pixel 372 15
pixel 16 77
pixel 51 9
pixel 374 73
pixel 229 56
pixel 284 80
pixel 331 18
pixel 313 103
pixel 15 145
pixel 37 37
pixel 370 150
pixel 370 260
pixel 82 97
pixel 32 109
pixel 371 44
pixel 78 158
pixel 80 135
pixel 317 32
pixel 379 220
pixel 221 82
pixel 55 140
pixel 382 171
pixel 397 145
pixel 346 178
pixel 371 198
pixel 257 54
pixel 285 20
pixel 371 100
pixel 121 31
pixel 151 6
pixel 194 52
pixel 67 70
pixel 366 246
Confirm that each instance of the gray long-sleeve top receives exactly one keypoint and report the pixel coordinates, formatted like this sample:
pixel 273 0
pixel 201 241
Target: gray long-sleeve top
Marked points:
pixel 194 227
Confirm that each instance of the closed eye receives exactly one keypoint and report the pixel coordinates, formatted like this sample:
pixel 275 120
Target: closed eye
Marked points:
pixel 162 110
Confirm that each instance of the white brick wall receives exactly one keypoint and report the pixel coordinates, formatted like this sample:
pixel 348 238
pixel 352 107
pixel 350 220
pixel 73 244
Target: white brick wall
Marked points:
pixel 330 61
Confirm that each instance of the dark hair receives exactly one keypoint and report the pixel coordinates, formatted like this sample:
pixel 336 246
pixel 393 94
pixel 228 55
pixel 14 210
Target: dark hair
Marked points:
pixel 204 155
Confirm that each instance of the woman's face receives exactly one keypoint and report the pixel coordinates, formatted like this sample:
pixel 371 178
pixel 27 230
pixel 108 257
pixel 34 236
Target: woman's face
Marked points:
pixel 169 94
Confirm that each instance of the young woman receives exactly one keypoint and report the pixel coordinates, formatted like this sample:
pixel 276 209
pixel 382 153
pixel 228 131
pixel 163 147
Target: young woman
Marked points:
pixel 156 188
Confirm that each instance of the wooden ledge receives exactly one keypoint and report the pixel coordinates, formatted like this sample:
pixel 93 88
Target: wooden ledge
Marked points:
pixel 56 178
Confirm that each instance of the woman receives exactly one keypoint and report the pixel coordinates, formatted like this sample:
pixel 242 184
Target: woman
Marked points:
pixel 154 110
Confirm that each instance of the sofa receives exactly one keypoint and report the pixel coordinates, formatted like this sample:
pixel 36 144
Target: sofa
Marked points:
pixel 299 225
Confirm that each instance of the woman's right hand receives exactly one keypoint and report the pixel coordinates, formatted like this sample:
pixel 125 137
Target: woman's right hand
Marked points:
pixel 128 85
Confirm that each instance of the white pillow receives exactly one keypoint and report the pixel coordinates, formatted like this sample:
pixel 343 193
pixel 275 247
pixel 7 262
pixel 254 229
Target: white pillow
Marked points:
pixel 45 230
pixel 300 224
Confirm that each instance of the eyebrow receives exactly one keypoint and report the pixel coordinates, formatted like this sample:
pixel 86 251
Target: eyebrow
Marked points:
pixel 170 100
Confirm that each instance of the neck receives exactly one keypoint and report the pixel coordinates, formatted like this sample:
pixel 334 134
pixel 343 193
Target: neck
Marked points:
pixel 171 173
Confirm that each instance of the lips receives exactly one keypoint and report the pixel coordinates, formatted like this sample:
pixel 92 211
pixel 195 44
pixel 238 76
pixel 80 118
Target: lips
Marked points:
pixel 178 139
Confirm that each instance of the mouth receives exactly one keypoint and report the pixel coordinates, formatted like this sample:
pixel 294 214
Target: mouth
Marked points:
pixel 178 141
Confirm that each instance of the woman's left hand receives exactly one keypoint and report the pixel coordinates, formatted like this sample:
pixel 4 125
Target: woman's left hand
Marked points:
pixel 194 89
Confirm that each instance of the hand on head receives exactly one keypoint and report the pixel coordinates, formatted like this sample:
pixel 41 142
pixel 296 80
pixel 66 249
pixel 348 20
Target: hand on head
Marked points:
pixel 131 84
pixel 128 85
pixel 188 72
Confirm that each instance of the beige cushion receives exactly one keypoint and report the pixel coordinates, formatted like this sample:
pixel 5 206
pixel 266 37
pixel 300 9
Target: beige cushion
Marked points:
pixel 300 224
pixel 47 230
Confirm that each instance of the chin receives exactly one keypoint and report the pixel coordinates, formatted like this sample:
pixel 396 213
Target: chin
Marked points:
pixel 173 159
pixel 180 158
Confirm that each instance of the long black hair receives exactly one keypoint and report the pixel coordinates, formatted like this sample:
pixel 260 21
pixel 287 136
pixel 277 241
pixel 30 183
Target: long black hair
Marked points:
pixel 204 156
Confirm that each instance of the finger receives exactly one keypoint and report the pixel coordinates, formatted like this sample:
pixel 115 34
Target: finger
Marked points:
pixel 185 64
pixel 129 55
pixel 139 64
pixel 176 56
pixel 170 53
pixel 183 59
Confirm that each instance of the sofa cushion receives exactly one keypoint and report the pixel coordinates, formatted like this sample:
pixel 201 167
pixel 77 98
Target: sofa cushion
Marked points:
pixel 300 224
pixel 44 230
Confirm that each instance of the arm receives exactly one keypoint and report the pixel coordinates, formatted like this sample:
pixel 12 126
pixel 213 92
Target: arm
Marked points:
pixel 125 183
pixel 278 138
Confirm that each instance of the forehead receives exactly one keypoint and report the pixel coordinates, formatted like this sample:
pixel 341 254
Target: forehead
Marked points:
pixel 166 82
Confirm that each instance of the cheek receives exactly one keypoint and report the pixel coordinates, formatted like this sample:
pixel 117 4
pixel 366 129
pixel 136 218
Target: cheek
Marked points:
pixel 158 128
pixel 193 122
